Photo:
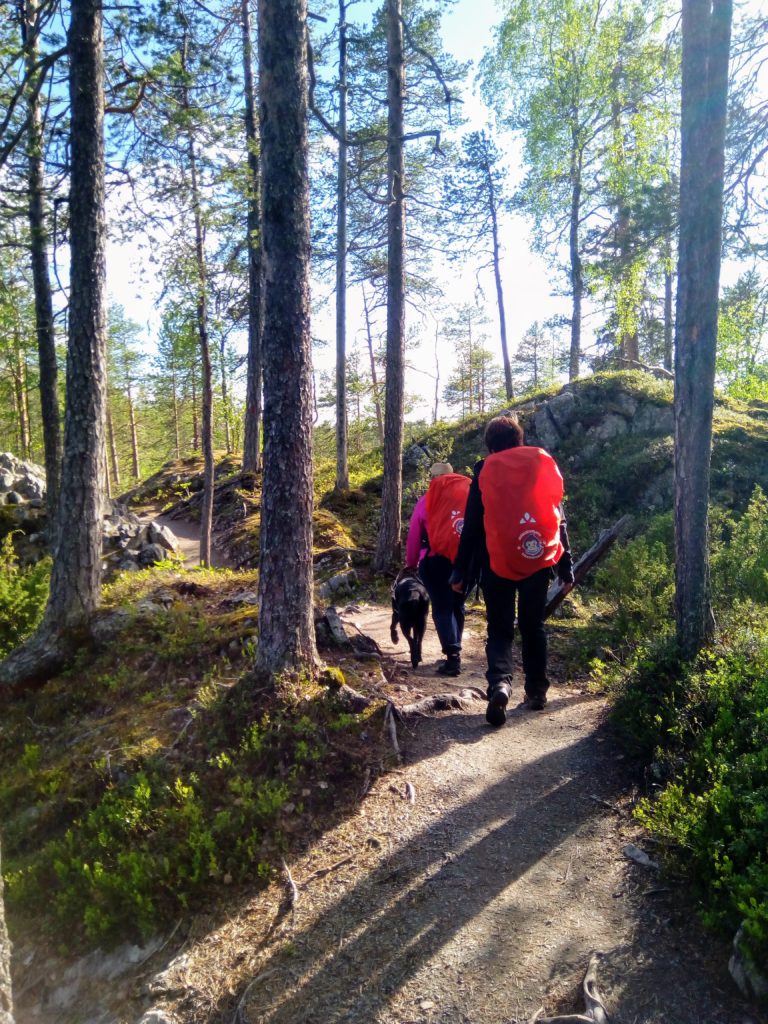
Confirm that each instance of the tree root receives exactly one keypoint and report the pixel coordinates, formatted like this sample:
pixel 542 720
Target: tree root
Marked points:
pixel 32 664
pixel 593 1002
pixel 437 702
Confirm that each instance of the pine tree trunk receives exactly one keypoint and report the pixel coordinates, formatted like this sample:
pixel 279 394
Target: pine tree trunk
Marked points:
pixel 253 404
pixel 206 509
pixel 388 548
pixel 437 377
pixel 668 326
pixel 176 433
pixel 76 573
pixel 195 419
pixel 225 398
pixel 342 427
pixel 374 375
pixel 113 449
pixel 17 373
pixel 134 433
pixel 6 999
pixel 38 233
pixel 706 45
pixel 499 291
pixel 286 622
pixel 577 273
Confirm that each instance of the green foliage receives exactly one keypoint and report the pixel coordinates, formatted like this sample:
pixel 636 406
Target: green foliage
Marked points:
pixel 710 726
pixel 638 579
pixel 740 566
pixel 156 839
pixel 23 594
pixel 741 337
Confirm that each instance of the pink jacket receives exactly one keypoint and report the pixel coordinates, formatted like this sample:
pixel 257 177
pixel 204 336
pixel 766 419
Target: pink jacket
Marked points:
pixel 416 545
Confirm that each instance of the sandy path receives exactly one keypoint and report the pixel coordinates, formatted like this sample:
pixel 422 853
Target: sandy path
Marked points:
pixel 479 902
pixel 484 899
pixel 187 533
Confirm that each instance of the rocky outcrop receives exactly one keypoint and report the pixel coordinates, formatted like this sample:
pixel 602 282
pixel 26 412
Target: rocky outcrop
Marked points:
pixel 20 482
pixel 128 543
pixel 566 416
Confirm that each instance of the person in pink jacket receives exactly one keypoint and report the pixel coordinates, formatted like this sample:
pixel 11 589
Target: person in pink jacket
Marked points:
pixel 434 571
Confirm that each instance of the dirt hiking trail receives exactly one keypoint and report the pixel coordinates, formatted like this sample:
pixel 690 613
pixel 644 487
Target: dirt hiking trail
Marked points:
pixel 471 886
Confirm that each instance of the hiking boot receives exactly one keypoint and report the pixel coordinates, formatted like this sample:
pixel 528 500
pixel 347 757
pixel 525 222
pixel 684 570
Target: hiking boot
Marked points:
pixel 450 667
pixel 534 703
pixel 496 712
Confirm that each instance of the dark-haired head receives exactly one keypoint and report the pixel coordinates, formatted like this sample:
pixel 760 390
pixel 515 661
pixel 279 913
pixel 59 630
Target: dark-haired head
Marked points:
pixel 503 432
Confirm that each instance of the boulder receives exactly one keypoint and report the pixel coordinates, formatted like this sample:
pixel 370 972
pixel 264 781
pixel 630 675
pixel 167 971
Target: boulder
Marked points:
pixel 623 404
pixel 6 480
pixel 416 457
pixel 653 419
pixel 563 410
pixel 659 494
pixel 163 536
pixel 14 498
pixel 611 426
pixel 547 432
pixel 752 982
pixel 341 582
pixel 151 554
pixel 31 487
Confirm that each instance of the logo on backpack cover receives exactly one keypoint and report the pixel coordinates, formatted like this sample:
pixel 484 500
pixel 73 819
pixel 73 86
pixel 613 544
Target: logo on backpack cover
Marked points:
pixel 527 518
pixel 531 544
pixel 457 522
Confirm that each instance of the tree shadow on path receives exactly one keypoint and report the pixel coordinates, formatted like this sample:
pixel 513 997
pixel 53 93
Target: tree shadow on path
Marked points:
pixel 389 925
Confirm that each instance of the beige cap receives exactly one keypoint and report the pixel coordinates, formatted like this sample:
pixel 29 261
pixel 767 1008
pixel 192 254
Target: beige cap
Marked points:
pixel 440 469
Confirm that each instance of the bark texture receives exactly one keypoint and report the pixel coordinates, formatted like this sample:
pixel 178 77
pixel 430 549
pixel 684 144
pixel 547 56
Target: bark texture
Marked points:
pixel 206 509
pixel 6 1003
pixel 286 626
pixel 706 46
pixel 388 548
pixel 41 279
pixel 76 573
pixel 577 271
pixel 374 374
pixel 253 404
pixel 342 457
pixel 494 211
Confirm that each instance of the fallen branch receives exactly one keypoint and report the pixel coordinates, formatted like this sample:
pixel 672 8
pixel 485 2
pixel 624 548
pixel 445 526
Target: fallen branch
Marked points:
pixel 322 872
pixel 559 590
pixel 437 702
pixel 593 1002
pixel 238 1017
pixel 391 727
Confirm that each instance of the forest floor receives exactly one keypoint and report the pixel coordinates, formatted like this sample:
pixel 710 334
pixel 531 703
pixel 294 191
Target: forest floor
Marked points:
pixel 471 886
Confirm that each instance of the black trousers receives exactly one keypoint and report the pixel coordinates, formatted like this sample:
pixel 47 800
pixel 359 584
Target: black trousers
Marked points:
pixel 447 605
pixel 500 595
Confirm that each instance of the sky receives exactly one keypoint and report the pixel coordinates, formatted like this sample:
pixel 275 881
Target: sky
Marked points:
pixel 530 285
pixel 467 31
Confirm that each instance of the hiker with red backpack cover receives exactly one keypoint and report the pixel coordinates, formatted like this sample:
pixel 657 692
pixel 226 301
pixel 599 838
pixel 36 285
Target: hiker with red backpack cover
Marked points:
pixel 432 546
pixel 514 523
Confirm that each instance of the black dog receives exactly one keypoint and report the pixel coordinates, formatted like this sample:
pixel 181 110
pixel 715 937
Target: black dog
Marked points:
pixel 410 606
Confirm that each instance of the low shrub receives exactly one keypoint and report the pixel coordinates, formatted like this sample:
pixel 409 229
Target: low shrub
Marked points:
pixel 711 806
pixel 23 594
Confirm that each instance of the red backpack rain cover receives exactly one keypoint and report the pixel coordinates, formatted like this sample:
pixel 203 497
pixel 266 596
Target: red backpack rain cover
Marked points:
pixel 521 490
pixel 446 504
